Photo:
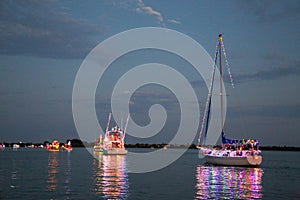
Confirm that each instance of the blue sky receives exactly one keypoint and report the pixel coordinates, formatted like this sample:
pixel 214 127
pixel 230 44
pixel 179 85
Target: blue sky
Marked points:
pixel 43 44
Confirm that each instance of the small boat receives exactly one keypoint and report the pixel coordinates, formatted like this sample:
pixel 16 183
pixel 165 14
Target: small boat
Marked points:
pixel 98 147
pixel 113 142
pixel 53 147
pixel 231 152
pixel 67 147
pixel 16 147
pixel 165 147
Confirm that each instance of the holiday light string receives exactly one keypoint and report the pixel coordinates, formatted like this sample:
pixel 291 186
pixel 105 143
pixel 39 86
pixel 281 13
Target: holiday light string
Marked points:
pixel 208 96
pixel 227 64
pixel 222 46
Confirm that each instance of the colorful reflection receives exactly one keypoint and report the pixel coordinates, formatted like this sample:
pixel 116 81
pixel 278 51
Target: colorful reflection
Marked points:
pixel 59 174
pixel 111 179
pixel 68 173
pixel 219 182
pixel 52 172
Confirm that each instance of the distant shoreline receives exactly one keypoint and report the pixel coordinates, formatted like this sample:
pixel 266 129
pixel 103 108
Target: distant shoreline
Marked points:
pixel 279 148
pixel 193 146
pixel 79 143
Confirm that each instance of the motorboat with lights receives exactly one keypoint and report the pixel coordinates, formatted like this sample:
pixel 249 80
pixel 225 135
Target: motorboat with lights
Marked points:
pixel 113 141
pixel 53 147
pixel 231 152
pixel 16 147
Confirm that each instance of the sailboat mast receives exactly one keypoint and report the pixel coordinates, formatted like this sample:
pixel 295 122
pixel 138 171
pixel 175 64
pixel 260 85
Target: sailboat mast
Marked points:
pixel 221 81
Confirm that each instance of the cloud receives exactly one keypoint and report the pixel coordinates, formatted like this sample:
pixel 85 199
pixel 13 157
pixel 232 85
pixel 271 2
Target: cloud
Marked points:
pixel 174 21
pixel 149 11
pixel 269 74
pixel 271 11
pixel 198 84
pixel 34 28
pixel 281 67
pixel 141 8
pixel 153 95
pixel 273 111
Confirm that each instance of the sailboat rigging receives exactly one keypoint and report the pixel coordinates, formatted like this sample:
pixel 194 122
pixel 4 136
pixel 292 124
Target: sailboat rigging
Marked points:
pixel 232 152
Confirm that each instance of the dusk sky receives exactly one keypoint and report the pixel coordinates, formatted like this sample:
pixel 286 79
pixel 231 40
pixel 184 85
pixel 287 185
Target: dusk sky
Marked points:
pixel 43 43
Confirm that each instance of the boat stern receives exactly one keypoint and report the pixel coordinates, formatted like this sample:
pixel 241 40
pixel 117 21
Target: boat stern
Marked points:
pixel 254 160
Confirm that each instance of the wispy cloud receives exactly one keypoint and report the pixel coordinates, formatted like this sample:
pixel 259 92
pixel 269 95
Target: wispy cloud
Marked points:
pixel 274 111
pixel 278 66
pixel 149 11
pixel 140 7
pixel 271 11
pixel 269 74
pixel 174 21
pixel 35 28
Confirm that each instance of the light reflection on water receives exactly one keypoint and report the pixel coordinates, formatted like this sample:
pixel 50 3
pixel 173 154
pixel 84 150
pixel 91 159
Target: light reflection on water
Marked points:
pixel 219 182
pixel 59 174
pixel 68 176
pixel 52 172
pixel 111 178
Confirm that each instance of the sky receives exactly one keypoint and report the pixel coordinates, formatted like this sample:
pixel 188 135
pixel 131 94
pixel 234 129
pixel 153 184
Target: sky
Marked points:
pixel 43 44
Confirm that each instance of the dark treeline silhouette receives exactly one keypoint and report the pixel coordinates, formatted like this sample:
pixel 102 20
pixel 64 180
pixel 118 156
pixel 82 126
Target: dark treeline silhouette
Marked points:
pixel 142 145
pixel 79 143
pixel 74 143
pixel 279 148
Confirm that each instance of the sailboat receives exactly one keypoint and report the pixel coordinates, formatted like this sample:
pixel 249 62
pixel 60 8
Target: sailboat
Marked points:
pixel 232 152
pixel 67 147
pixel 113 142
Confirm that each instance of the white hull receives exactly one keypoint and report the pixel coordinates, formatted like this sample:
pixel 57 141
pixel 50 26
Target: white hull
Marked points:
pixel 225 157
pixel 113 142
pixel 234 161
pixel 98 149
pixel 115 152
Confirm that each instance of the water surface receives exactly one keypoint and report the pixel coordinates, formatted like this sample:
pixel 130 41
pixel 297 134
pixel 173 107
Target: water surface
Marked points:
pixel 38 174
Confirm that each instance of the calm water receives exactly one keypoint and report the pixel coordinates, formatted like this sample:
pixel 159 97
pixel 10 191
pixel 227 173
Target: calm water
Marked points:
pixel 38 174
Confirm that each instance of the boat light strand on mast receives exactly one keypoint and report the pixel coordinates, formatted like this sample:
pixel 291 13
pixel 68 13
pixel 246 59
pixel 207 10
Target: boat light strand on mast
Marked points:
pixel 208 98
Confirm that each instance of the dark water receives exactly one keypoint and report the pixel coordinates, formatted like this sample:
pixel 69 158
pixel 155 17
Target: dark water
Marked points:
pixel 38 174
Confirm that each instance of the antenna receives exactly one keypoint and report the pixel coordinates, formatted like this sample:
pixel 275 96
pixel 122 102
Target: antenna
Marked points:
pixel 127 120
pixel 121 123
pixel 107 126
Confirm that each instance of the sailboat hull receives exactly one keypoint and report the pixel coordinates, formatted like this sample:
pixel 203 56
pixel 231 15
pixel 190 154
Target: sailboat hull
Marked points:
pixel 115 152
pixel 234 161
